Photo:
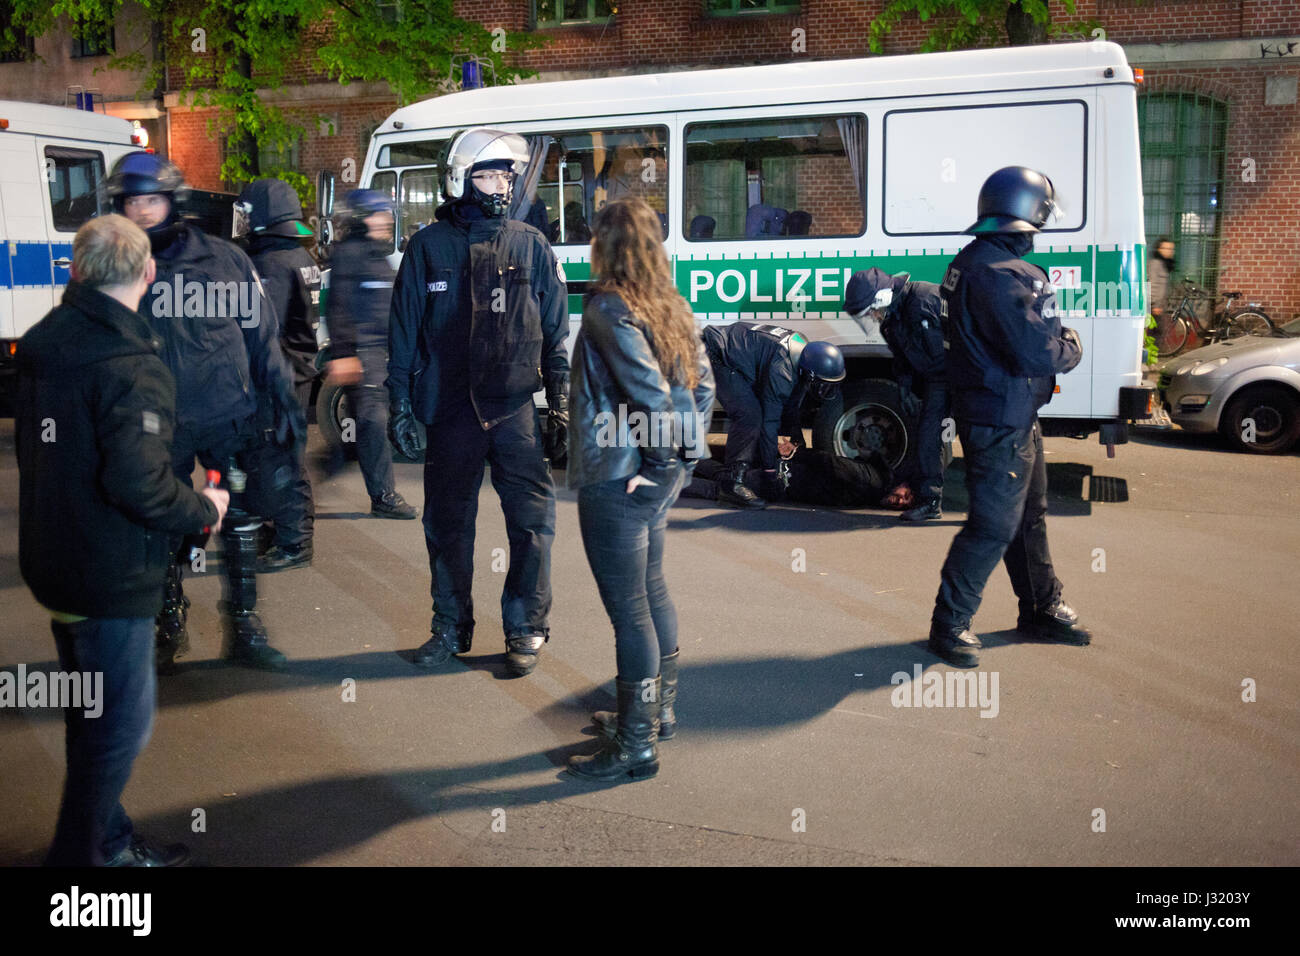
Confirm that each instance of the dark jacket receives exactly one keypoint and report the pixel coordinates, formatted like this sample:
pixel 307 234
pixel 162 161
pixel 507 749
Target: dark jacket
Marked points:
pixel 764 362
pixel 361 293
pixel 98 503
pixel 480 314
pixel 914 333
pixel 616 386
pixel 221 347
pixel 1006 347
pixel 292 282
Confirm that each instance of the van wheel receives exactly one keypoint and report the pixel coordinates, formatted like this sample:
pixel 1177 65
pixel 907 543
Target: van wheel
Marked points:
pixel 867 418
pixel 1274 413
pixel 332 408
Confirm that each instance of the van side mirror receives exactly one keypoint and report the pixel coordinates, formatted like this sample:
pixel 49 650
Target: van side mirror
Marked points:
pixel 324 194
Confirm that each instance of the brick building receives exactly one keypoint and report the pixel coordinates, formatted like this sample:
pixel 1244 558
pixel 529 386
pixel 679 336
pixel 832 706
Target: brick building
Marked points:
pixel 1219 114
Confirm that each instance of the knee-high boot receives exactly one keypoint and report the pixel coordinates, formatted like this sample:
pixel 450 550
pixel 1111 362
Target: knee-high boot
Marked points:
pixel 171 639
pixel 631 753
pixel 606 721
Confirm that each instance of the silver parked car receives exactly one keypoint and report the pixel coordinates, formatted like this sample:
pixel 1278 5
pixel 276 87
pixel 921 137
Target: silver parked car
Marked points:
pixel 1247 389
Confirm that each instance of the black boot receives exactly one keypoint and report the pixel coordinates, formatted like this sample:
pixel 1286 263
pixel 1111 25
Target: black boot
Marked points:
pixel 523 650
pixel 391 505
pixel 606 721
pixel 444 641
pixel 246 641
pixel 1058 623
pixel 631 753
pixel 733 491
pixel 171 639
pixel 929 509
pixel 956 645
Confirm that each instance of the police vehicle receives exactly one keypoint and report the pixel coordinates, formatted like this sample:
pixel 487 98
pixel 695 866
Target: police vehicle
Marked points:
pixel 53 162
pixel 776 183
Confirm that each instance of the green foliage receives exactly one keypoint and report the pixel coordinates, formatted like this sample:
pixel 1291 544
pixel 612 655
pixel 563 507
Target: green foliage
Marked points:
pixel 1149 341
pixel 966 24
pixel 226 51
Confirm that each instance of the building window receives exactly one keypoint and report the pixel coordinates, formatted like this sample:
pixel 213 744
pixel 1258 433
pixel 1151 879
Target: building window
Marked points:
pixel 271 157
pixel 92 39
pixel 726 8
pixel 775 177
pixel 75 178
pixel 555 13
pixel 1183 137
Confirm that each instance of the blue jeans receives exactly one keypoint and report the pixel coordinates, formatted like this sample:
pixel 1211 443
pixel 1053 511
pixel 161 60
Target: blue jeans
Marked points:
pixel 93 827
pixel 623 535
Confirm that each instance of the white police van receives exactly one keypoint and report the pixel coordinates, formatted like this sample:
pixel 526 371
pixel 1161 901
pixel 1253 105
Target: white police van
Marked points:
pixel 776 183
pixel 53 163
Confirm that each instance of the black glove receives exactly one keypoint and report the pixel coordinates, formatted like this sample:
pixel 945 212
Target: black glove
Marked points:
pixel 403 429
pixel 910 402
pixel 1072 336
pixel 288 423
pixel 556 445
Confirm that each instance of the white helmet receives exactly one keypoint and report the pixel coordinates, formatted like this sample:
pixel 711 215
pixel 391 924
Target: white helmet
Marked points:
pixel 479 145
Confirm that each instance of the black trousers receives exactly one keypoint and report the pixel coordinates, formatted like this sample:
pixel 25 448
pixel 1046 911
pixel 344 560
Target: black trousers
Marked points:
pixel 292 510
pixel 928 469
pixel 369 403
pixel 457 449
pixel 1006 478
pixel 746 439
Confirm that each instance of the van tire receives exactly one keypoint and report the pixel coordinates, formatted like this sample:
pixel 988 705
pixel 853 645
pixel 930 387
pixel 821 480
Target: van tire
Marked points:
pixel 331 409
pixel 866 417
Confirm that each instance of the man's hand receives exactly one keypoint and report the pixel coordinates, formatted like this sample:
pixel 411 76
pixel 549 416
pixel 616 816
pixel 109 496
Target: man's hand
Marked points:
pixel 637 480
pixel 404 430
pixel 557 438
pixel 910 402
pixel 221 498
pixel 344 371
pixel 784 447
pixel 1072 336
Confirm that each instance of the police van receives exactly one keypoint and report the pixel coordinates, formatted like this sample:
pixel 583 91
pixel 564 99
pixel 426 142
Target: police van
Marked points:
pixel 776 183
pixel 53 162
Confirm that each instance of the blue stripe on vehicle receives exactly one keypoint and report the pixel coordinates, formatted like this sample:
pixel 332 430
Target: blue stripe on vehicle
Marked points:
pixel 31 264
pixel 5 279
pixel 61 250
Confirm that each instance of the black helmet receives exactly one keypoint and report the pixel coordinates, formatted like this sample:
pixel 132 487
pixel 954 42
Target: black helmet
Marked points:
pixel 824 364
pixel 360 204
pixel 273 209
pixel 1014 199
pixel 143 174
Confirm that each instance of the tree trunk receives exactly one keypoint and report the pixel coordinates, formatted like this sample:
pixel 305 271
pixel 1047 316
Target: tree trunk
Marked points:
pixel 1022 29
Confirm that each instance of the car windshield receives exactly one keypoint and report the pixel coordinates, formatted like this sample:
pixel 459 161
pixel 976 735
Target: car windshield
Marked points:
pixel 1292 327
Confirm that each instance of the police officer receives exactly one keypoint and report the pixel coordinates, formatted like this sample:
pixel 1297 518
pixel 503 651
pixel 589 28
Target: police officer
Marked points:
pixel 1006 348
pixel 909 316
pixel 764 375
pixel 233 389
pixel 478 324
pixel 275 233
pixel 361 292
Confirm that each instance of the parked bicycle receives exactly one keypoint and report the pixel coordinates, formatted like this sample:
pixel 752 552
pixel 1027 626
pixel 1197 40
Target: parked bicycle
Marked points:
pixel 1224 323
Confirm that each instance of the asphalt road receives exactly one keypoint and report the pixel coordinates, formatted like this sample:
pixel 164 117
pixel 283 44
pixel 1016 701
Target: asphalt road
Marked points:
pixel 790 750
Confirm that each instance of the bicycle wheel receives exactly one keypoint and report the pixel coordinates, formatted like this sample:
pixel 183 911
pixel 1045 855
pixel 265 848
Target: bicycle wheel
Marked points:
pixel 1174 337
pixel 1247 322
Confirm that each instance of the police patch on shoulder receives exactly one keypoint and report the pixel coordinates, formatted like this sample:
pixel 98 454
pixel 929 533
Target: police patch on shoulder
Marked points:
pixel 151 423
pixel 950 279
pixel 559 271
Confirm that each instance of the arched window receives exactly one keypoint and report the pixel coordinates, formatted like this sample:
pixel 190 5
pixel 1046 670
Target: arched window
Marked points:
pixel 1183 139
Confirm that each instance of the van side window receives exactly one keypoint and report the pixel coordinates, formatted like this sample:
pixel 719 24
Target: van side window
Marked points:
pixel 386 183
pixel 417 200
pixel 581 171
pixel 74 177
pixel 775 177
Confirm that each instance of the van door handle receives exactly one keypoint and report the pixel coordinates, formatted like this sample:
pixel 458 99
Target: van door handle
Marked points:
pixel 62 263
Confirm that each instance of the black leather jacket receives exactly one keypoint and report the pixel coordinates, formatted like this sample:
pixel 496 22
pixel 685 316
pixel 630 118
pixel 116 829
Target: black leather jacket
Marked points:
pixel 625 417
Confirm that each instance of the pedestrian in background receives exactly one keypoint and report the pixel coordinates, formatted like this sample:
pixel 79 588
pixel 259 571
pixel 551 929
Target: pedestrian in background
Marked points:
pixel 1160 272
pixel 361 292
pixel 638 350
pixel 98 504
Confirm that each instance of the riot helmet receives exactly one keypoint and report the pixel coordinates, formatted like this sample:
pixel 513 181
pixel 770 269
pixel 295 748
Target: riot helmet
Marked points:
pixel 147 174
pixel 823 364
pixel 358 206
pixel 495 155
pixel 270 207
pixel 1015 199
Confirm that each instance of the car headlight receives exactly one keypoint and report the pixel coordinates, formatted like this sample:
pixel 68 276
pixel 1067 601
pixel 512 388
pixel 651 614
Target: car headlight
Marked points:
pixel 1193 401
pixel 1207 367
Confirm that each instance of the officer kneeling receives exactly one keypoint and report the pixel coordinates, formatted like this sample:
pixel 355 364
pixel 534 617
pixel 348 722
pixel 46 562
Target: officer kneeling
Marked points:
pixel 1006 348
